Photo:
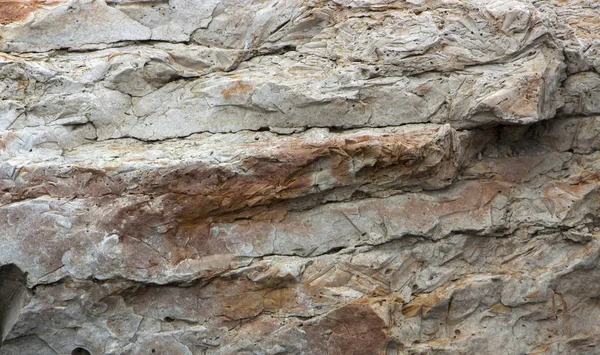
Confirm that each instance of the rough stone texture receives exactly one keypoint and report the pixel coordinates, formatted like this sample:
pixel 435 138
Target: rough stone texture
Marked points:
pixel 300 177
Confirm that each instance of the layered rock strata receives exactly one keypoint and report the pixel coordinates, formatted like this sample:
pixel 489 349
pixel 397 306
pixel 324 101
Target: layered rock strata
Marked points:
pixel 300 177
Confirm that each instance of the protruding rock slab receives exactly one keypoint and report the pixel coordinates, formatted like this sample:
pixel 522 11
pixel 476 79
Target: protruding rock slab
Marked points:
pixel 177 192
pixel 287 66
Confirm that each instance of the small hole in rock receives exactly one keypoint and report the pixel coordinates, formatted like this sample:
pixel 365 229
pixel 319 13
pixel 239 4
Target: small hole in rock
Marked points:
pixel 80 351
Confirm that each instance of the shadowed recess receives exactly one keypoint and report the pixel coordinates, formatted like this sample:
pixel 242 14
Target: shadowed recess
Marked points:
pixel 12 295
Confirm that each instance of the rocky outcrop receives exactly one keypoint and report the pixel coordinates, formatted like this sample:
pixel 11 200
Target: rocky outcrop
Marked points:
pixel 300 177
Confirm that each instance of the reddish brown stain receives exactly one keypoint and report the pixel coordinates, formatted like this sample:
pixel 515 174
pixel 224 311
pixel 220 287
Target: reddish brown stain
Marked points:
pixel 352 329
pixel 177 205
pixel 288 171
pixel 15 10
pixel 238 88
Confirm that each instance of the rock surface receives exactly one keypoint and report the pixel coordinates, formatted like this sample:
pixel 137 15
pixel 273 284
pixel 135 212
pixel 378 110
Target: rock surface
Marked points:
pixel 300 177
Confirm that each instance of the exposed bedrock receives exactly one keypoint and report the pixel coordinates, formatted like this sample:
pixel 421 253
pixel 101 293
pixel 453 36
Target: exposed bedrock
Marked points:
pixel 300 177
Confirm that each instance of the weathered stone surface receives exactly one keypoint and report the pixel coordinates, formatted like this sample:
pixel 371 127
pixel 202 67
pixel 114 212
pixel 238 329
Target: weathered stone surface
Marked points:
pixel 163 201
pixel 582 94
pixel 287 66
pixel 300 177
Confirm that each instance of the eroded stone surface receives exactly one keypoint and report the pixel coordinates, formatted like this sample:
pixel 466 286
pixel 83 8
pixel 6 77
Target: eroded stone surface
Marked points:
pixel 301 177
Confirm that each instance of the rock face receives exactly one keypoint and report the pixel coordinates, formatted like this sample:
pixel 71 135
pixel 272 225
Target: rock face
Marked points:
pixel 300 177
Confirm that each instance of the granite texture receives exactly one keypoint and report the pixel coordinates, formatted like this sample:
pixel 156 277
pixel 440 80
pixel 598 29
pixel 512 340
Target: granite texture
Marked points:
pixel 300 177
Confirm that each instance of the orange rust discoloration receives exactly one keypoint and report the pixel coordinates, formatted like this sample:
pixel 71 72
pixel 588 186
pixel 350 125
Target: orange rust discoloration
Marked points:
pixel 587 27
pixel 411 310
pixel 180 202
pixel 18 10
pixel 198 191
pixel 499 308
pixel 239 88
pixel 439 297
pixel 291 169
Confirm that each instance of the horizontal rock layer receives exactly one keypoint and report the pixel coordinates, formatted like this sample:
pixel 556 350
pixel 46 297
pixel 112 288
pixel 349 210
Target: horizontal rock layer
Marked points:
pixel 299 177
